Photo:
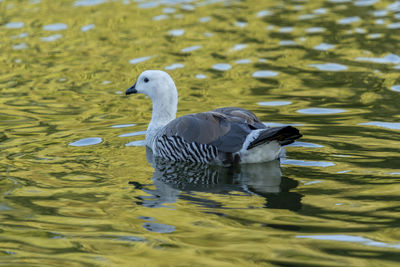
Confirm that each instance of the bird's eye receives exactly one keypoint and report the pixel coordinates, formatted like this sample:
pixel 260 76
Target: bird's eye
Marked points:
pixel 146 80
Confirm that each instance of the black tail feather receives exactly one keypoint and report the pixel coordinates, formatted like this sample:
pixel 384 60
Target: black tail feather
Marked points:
pixel 284 135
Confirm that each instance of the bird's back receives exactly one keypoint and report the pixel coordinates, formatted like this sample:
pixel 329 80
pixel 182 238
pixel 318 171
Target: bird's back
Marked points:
pixel 210 137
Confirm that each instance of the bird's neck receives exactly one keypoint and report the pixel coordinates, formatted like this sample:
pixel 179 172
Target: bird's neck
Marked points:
pixel 164 111
pixel 165 105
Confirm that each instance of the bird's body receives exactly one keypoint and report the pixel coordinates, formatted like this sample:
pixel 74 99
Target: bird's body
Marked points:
pixel 221 136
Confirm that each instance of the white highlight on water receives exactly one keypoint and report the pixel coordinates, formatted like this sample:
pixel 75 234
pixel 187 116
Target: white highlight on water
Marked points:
pixel 14 25
pixel 89 2
pixel 51 38
pixel 395 88
pixel 175 66
pixel 349 20
pixel 275 103
pixel 139 59
pixel 87 141
pixel 222 66
pixel 351 238
pixel 200 76
pixel 55 27
pixel 329 67
pixel 191 48
pixel 320 111
pixel 324 46
pixel 265 74
pixel 387 125
pixel 390 58
pixel 176 32
pixel 88 27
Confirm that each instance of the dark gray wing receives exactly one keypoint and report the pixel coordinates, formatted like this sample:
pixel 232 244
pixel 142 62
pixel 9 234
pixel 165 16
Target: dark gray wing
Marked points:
pixel 249 117
pixel 225 128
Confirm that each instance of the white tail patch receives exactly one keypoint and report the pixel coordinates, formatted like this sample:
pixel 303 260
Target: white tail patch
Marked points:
pixel 262 153
pixel 250 138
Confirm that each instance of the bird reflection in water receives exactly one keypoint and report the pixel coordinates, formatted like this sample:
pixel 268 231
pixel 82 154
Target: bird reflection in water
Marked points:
pixel 262 179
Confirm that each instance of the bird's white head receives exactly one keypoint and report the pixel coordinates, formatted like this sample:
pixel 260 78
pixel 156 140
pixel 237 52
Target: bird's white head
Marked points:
pixel 160 87
pixel 156 84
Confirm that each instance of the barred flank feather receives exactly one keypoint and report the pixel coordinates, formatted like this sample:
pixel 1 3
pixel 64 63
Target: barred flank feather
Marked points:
pixel 174 148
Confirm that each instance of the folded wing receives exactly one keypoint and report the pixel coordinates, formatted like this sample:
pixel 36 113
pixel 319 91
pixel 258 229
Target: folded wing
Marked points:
pixel 224 128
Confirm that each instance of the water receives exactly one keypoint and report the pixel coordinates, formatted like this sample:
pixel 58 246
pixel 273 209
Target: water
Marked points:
pixel 76 184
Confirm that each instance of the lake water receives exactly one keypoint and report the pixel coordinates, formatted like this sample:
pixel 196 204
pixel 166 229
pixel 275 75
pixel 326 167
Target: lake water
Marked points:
pixel 76 186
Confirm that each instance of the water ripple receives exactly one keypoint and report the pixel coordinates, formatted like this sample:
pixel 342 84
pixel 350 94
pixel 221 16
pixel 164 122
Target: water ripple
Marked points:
pixel 88 2
pixel 175 66
pixel 160 17
pixel 239 47
pixel 241 24
pixel 159 228
pixel 136 143
pixel 351 238
pixel 139 59
pixel 191 48
pixel 222 66
pixel 391 58
pixel 394 25
pixel 87 141
pixel 243 61
pixel 14 25
pixel 320 111
pixel 349 20
pixel 169 10
pixel 204 19
pixel 123 125
pixel 324 46
pixel 379 13
pixel 305 144
pixel 329 67
pixel 176 32
pixel 287 42
pixel 286 29
pixel 394 6
pixel 132 133
pixel 395 88
pixel 264 74
pixel 200 76
pixel 306 16
pixel 131 238
pixel 188 7
pixel 21 35
pixel 51 38
pixel 365 2
pixel 264 13
pixel 320 11
pixel 148 5
pixel 315 30
pixel 387 125
pixel 55 27
pixel 88 27
pixel 307 163
pixel 275 103
pixel 20 46
pixel 375 35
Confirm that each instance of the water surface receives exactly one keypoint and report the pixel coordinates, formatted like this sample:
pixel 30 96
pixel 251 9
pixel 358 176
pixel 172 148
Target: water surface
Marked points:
pixel 77 187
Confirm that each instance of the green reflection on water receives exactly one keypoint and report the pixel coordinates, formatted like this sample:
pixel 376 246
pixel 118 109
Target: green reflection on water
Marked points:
pixel 106 205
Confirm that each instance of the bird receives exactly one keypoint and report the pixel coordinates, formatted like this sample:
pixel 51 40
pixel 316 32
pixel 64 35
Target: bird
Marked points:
pixel 223 136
